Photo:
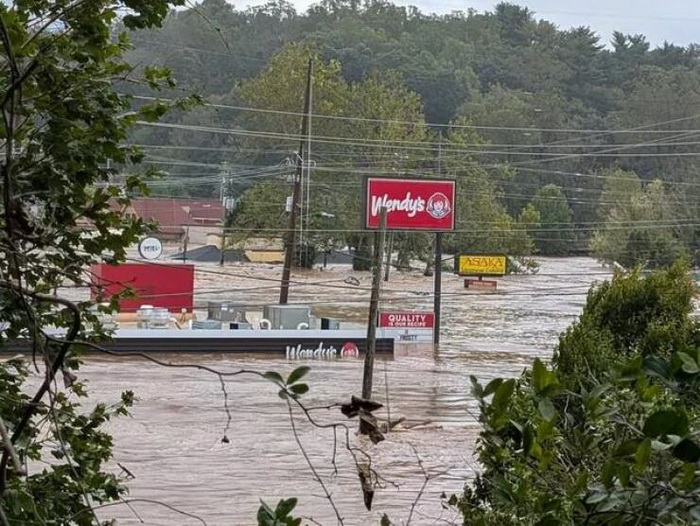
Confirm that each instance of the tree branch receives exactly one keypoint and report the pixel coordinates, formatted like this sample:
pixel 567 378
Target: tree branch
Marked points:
pixel 311 466
pixel 149 501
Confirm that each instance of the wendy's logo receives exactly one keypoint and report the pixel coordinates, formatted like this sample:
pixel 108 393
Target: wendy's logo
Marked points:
pixel 438 206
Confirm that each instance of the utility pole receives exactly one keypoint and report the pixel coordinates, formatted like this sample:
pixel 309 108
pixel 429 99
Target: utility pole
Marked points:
pixel 291 237
pixel 388 257
pixel 379 241
pixel 223 245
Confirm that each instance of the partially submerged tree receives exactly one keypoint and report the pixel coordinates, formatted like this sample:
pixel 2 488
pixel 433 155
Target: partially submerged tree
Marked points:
pixel 639 223
pixel 62 124
pixel 554 236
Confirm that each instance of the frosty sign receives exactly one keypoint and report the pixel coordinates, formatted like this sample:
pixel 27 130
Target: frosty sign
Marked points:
pixel 411 204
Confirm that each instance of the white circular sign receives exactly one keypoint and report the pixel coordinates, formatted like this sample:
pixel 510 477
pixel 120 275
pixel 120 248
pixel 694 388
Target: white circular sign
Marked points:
pixel 150 248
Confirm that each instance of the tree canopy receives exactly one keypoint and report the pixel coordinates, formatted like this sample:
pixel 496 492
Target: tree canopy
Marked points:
pixel 547 106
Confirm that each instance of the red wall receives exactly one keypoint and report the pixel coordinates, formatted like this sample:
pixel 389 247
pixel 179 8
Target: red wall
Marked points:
pixel 160 285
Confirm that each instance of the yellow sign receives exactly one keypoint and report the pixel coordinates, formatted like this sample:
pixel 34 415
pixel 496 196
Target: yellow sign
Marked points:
pixel 481 264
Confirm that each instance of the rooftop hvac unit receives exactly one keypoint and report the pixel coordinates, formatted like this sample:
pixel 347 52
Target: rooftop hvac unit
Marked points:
pixel 287 316
pixel 214 325
pixel 227 311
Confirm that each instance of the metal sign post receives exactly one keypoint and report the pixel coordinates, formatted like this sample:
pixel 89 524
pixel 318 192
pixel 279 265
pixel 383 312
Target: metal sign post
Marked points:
pixel 437 297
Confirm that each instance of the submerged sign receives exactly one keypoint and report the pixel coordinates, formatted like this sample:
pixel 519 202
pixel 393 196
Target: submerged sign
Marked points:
pixel 480 264
pixel 411 204
pixel 406 320
pixel 321 351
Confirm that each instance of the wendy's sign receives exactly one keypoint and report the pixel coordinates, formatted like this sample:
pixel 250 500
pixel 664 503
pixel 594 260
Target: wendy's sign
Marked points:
pixel 412 204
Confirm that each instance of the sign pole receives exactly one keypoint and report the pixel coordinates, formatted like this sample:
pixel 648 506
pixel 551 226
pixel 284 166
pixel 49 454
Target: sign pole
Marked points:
pixel 437 296
pixel 379 240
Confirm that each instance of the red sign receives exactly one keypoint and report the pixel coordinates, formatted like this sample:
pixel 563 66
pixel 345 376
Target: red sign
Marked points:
pixel 407 320
pixel 160 285
pixel 412 204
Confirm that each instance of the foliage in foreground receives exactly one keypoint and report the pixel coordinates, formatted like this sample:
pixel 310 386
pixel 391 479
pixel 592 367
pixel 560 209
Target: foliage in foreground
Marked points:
pixel 610 434
pixel 62 125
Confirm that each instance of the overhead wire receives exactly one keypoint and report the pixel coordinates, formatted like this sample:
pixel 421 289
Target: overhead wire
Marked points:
pixel 424 145
pixel 638 129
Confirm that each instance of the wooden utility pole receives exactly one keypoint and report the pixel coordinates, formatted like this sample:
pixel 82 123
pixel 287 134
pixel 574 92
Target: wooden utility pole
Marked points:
pixel 437 297
pixel 223 245
pixel 291 237
pixel 379 240
pixel 388 257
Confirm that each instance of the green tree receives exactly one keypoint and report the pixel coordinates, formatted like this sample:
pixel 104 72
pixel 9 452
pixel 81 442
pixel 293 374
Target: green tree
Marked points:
pixel 638 223
pixel 609 433
pixel 62 122
pixel 483 221
pixel 383 105
pixel 554 236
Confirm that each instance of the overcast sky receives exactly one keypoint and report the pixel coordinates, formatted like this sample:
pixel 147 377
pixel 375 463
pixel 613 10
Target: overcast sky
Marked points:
pixel 677 21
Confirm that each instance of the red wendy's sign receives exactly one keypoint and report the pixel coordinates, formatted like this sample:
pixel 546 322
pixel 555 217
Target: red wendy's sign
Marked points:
pixel 407 320
pixel 412 204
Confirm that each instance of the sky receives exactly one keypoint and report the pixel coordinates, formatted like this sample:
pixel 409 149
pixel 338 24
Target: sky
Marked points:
pixel 675 21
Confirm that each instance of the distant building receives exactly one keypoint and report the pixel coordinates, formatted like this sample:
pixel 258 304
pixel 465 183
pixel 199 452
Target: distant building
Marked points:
pixel 199 219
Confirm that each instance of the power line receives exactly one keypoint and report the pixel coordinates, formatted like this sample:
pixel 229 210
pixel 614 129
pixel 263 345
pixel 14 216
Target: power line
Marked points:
pixel 636 130
pixel 423 146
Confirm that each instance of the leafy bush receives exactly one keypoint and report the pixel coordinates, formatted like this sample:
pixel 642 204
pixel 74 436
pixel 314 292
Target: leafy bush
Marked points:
pixel 611 433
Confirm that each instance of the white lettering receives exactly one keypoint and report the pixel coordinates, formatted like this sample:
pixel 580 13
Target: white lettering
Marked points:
pixel 411 206
pixel 298 352
pixel 415 320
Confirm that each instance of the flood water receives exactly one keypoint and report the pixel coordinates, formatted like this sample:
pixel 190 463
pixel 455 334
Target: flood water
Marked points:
pixel 172 443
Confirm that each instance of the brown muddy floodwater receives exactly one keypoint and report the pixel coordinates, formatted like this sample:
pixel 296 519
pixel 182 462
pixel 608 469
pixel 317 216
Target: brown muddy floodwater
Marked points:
pixel 172 443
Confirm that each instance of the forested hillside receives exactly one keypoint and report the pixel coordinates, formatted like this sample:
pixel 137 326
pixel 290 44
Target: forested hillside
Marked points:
pixel 560 142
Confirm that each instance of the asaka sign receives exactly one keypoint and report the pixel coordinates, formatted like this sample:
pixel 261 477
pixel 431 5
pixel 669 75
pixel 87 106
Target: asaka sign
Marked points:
pixel 411 204
pixel 481 264
pixel 406 320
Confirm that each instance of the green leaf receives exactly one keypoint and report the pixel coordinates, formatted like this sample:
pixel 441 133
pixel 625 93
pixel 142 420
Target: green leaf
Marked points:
pixel 641 457
pixel 266 516
pixel 477 390
pixel 283 394
pixel 274 377
pixel 385 521
pixel 607 474
pixel 492 386
pixel 623 474
pixel 539 376
pixel 628 447
pixel 299 389
pixel 666 422
pixel 285 507
pixel 690 365
pixel 688 475
pixel 297 374
pixel 503 393
pixel 687 450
